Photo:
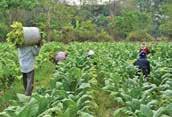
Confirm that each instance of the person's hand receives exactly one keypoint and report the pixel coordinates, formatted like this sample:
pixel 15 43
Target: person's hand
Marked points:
pixel 17 46
pixel 40 43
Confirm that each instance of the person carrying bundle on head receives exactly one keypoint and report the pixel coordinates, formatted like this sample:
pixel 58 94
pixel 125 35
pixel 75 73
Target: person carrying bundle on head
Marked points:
pixel 27 55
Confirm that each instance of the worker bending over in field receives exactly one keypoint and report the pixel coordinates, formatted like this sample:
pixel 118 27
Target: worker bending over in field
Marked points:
pixel 90 57
pixel 90 54
pixel 60 56
pixel 143 64
pixel 26 59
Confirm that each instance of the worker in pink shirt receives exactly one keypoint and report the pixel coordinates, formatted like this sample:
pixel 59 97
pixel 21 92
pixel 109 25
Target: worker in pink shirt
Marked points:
pixel 60 56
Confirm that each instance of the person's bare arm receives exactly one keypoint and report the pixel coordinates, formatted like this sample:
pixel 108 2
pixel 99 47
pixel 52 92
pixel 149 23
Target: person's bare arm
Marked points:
pixel 35 50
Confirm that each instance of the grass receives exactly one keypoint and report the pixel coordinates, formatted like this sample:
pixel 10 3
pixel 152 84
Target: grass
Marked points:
pixel 105 103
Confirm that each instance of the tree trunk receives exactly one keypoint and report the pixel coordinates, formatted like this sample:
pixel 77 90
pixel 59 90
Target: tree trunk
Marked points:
pixel 48 25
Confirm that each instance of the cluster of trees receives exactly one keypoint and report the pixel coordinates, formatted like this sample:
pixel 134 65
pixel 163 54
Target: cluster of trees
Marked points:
pixel 90 21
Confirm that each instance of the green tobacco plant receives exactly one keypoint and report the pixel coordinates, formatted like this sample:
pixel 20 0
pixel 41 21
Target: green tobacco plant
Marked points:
pixel 9 68
pixel 104 85
pixel 16 36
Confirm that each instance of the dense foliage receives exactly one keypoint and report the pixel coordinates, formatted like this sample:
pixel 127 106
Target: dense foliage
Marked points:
pixel 9 68
pixel 92 87
pixel 16 36
pixel 104 85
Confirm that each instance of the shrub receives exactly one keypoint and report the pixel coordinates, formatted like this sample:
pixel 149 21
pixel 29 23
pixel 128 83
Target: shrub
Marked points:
pixel 67 34
pixel 3 30
pixel 85 31
pixel 9 68
pixel 166 28
pixel 85 35
pixel 129 21
pixel 139 36
pixel 103 36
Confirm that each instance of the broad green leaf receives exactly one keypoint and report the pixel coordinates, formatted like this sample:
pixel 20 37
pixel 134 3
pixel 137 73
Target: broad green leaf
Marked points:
pixel 84 86
pixel 23 98
pixel 84 114
pixel 146 111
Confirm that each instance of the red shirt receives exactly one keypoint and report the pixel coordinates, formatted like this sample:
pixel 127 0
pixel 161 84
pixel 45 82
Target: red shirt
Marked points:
pixel 146 50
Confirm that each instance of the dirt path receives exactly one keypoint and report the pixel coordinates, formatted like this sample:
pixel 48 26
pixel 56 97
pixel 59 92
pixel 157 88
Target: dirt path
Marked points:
pixel 105 103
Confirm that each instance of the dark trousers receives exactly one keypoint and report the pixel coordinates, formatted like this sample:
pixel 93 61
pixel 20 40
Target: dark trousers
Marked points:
pixel 144 72
pixel 28 80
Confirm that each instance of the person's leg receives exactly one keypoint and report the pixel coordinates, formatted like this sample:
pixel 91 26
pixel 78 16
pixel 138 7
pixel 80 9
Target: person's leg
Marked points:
pixel 145 74
pixel 30 81
pixel 138 73
pixel 24 80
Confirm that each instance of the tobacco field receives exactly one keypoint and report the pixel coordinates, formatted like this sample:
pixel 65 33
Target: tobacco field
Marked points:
pixel 103 86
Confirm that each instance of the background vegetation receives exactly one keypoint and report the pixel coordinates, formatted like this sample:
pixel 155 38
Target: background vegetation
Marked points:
pixel 115 20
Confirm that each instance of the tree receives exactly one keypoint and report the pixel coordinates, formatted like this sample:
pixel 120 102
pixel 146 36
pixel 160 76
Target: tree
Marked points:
pixel 154 7
pixel 130 21
pixel 14 10
pixel 53 17
pixel 166 25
